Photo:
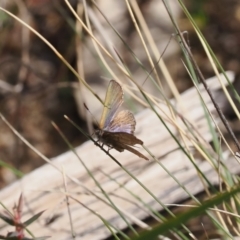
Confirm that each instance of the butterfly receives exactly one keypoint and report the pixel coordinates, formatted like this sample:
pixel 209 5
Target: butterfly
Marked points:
pixel 116 128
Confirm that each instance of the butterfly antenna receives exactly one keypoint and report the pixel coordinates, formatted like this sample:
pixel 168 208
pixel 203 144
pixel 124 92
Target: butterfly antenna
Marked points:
pixel 95 120
pixel 154 66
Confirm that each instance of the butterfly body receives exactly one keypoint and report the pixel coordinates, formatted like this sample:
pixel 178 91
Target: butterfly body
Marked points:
pixel 116 129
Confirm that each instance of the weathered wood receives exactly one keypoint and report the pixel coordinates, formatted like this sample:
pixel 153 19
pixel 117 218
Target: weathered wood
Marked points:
pixel 43 188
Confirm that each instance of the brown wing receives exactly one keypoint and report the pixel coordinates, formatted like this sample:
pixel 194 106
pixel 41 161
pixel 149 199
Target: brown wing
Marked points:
pixel 121 141
pixel 134 151
pixel 121 137
pixel 123 121
pixel 121 147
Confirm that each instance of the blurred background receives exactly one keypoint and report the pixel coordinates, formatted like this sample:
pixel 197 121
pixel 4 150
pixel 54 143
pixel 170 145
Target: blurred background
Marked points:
pixel 37 88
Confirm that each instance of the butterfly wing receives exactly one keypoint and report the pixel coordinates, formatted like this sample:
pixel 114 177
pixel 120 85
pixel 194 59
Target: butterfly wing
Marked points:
pixel 116 130
pixel 134 151
pixel 113 100
pixel 123 141
pixel 123 121
pixel 120 137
